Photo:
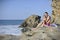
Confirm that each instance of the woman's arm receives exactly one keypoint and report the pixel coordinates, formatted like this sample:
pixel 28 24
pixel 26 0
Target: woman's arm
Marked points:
pixel 48 18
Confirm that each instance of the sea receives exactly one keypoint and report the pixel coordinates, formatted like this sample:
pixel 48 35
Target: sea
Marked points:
pixel 10 27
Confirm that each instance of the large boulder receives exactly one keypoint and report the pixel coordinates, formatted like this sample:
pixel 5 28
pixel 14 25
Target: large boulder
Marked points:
pixel 31 21
pixel 56 11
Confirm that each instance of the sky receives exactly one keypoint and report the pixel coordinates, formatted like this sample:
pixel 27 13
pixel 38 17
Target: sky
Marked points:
pixel 21 9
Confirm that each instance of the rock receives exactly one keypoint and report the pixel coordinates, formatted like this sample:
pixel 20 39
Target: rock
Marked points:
pixel 9 37
pixel 42 33
pixel 56 11
pixel 31 21
pixel 25 30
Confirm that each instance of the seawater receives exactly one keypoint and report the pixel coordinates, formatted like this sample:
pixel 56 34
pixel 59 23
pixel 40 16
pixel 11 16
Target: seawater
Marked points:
pixel 10 27
pixel 11 22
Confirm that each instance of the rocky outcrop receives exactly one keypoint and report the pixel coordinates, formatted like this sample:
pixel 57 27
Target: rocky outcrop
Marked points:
pixel 31 21
pixel 42 33
pixel 56 11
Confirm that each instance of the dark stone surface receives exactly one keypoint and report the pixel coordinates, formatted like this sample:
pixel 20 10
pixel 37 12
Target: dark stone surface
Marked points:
pixel 31 21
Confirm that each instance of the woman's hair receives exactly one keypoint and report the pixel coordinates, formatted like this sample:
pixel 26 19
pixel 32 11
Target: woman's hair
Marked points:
pixel 46 12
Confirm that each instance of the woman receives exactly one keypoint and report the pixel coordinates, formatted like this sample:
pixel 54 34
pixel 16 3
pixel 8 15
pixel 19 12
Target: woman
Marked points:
pixel 46 20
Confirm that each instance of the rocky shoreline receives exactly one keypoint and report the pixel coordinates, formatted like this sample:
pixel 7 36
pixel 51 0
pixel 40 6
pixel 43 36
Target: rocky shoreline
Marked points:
pixel 9 37
pixel 30 32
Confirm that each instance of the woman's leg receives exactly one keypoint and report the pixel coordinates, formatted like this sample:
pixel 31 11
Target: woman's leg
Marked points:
pixel 43 24
pixel 39 24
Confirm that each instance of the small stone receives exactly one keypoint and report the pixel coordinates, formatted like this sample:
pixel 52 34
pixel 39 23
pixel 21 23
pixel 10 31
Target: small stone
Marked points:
pixel 53 39
pixel 43 32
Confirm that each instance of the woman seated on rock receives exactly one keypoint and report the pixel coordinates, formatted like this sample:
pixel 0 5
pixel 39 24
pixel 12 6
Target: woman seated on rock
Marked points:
pixel 46 20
